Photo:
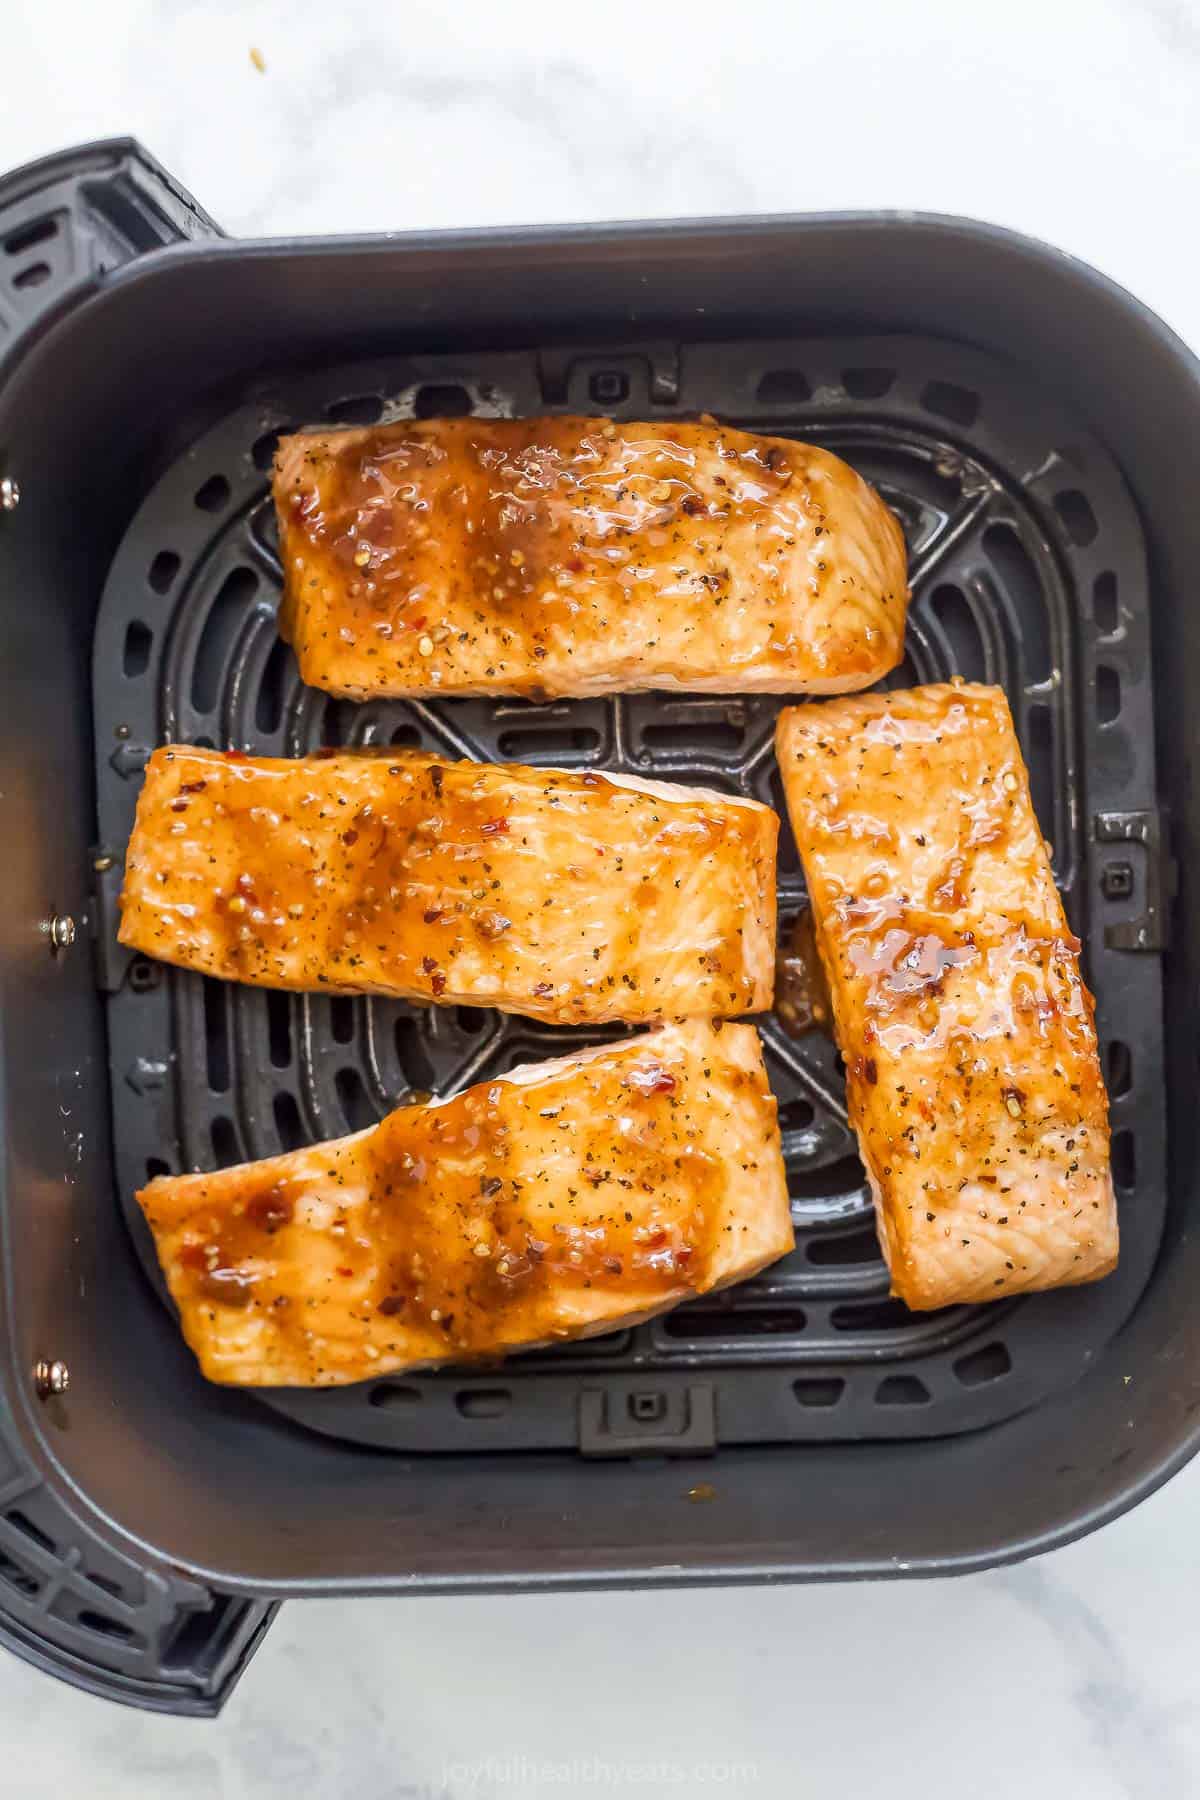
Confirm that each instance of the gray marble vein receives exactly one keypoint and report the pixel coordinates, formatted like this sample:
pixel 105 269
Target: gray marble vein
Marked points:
pixel 1137 1735
pixel 1177 22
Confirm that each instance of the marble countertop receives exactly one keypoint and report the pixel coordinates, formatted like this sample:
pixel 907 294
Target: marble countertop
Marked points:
pixel 1075 120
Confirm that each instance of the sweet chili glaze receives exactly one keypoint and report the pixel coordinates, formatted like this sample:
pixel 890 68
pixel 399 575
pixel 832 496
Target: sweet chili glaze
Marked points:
pixel 569 1198
pixel 570 897
pixel 973 1075
pixel 579 556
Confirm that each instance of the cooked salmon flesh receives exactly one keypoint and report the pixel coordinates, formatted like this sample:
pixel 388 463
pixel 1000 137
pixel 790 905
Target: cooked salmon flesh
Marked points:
pixel 571 897
pixel 972 1068
pixel 580 556
pixel 568 1198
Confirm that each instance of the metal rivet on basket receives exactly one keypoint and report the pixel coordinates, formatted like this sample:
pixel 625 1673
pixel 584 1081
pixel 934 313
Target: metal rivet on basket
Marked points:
pixel 10 494
pixel 51 1378
pixel 60 929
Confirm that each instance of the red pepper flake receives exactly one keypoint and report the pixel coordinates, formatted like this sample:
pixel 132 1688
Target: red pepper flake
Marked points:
pixel 428 965
pixel 438 983
pixel 433 915
pixel 684 1256
pixel 391 1306
pixel 271 1211
pixel 543 990
pixel 236 756
pixel 346 1272
pixel 871 1070
pixel 657 1239
pixel 349 838
pixel 415 624
pixel 494 827
pixel 192 787
pixel 613 1264
pixel 230 1287
pixel 652 1078
pixel 179 806
pixel 437 776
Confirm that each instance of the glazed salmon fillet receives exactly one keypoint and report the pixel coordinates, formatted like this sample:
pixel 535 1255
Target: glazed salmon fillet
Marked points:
pixel 569 1198
pixel 973 1075
pixel 571 897
pixel 578 556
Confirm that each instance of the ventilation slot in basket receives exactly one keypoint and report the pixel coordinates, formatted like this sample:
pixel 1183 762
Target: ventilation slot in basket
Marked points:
pixel 1105 610
pixel 29 237
pixel 214 495
pixel 902 1390
pixel 819 1390
pixel 958 404
pixel 226 617
pixel 358 409
pixel 441 402
pixel 780 387
pixel 991 1363
pixel 868 384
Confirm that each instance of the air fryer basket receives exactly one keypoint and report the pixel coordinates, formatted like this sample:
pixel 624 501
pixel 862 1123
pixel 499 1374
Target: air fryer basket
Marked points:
pixel 1017 557
pixel 984 384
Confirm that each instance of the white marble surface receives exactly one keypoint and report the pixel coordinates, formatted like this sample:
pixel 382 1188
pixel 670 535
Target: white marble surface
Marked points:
pixel 1078 1675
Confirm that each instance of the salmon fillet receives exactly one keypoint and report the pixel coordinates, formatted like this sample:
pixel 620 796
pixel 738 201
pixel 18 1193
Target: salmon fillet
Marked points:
pixel 569 897
pixel 973 1075
pixel 569 1198
pixel 578 556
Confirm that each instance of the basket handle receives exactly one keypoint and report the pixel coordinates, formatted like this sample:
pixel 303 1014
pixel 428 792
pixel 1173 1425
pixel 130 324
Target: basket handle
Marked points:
pixel 70 218
pixel 73 1601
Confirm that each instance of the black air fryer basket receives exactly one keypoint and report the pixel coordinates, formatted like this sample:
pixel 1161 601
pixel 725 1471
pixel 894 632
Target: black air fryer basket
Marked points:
pixel 1032 426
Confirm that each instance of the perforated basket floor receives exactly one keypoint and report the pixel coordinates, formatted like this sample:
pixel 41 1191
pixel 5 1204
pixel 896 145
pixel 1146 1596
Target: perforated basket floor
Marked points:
pixel 1027 568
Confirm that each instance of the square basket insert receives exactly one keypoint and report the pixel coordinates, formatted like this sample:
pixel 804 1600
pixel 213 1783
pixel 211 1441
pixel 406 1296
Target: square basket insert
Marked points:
pixel 1027 567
